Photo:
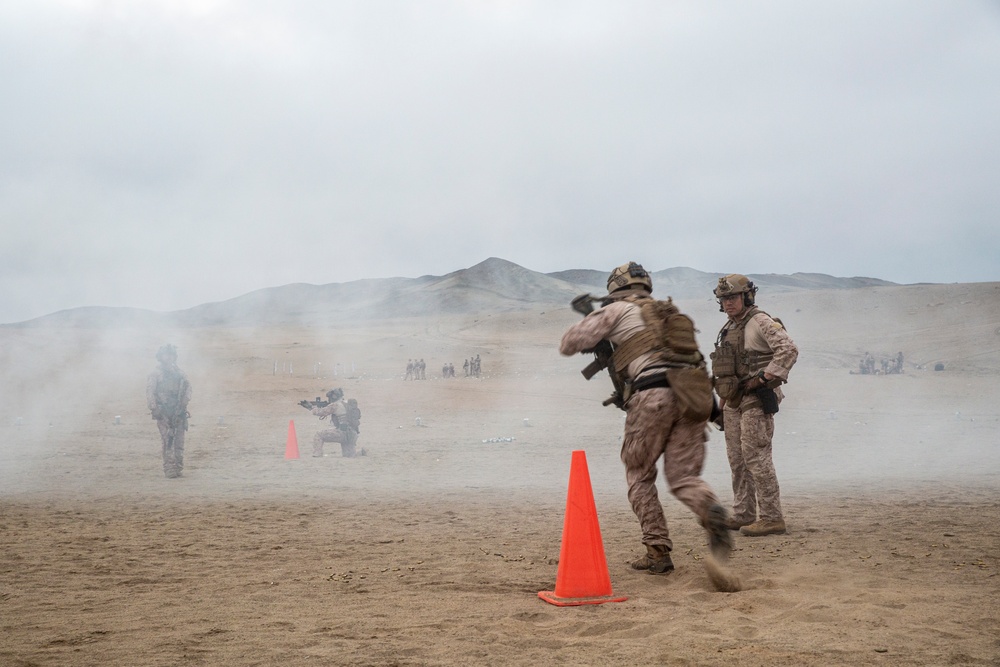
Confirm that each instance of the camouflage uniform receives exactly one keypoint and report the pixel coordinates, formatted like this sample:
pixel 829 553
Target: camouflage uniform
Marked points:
pixel 167 395
pixel 341 431
pixel 748 429
pixel 653 428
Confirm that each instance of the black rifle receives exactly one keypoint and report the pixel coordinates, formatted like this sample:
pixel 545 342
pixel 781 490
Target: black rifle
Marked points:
pixel 603 351
pixel 318 403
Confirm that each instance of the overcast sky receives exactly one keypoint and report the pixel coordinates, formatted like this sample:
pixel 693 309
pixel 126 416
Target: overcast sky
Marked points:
pixel 165 153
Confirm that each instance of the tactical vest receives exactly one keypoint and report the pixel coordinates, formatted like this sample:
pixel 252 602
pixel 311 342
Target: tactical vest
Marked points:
pixel 669 335
pixel 170 387
pixel 732 363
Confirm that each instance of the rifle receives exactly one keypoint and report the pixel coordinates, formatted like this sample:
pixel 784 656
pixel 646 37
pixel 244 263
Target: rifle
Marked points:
pixel 318 403
pixel 603 351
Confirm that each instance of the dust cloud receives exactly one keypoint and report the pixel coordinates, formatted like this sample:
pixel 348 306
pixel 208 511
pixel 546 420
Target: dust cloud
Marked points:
pixel 74 415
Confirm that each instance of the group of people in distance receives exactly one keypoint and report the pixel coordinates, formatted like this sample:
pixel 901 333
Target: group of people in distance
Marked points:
pixel 416 369
pixel 889 365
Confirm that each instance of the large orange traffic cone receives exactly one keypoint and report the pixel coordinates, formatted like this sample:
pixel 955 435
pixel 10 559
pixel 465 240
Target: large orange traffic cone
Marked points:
pixel 582 577
pixel 292 445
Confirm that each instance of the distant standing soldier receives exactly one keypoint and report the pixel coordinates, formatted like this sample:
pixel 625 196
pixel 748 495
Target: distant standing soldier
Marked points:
pixel 465 367
pixel 409 370
pixel 167 395
pixel 422 370
pixel 345 418
pixel 752 358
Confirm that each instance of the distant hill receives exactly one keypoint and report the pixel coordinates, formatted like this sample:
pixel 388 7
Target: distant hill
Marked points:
pixel 686 283
pixel 494 285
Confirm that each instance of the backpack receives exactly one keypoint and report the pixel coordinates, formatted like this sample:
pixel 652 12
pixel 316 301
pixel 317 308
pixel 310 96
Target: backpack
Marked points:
pixel 353 414
pixel 671 335
pixel 673 328
pixel 668 331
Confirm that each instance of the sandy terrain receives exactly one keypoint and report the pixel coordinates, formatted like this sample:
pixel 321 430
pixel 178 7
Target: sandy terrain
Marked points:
pixel 431 549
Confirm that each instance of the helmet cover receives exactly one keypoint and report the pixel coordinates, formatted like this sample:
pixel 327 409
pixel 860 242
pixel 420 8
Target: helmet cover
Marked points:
pixel 736 283
pixel 629 276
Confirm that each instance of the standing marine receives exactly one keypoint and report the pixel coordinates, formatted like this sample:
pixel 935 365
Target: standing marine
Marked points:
pixel 167 395
pixel 753 355
pixel 663 386
pixel 345 419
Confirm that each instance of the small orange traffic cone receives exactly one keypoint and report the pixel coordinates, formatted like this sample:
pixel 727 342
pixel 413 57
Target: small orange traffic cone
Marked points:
pixel 292 445
pixel 582 577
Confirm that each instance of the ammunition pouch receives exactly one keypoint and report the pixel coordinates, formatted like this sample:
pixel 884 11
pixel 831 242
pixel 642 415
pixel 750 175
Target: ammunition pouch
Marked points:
pixel 727 384
pixel 729 389
pixel 693 389
pixel 691 386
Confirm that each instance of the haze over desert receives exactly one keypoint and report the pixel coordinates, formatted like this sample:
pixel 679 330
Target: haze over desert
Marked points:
pixel 431 549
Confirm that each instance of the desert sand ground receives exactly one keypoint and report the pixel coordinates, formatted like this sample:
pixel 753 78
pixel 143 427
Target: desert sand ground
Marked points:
pixel 431 549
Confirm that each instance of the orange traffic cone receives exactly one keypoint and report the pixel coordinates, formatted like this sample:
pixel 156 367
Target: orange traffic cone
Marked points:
pixel 582 577
pixel 292 445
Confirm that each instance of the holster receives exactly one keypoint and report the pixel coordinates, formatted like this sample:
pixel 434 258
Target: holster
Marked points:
pixel 717 417
pixel 768 399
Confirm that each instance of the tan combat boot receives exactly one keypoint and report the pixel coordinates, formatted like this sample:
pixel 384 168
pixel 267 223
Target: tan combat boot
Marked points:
pixel 720 542
pixel 761 527
pixel 656 561
pixel 733 523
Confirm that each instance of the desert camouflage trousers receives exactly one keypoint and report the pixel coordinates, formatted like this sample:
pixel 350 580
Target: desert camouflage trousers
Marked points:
pixel 173 448
pixel 655 429
pixel 347 439
pixel 755 483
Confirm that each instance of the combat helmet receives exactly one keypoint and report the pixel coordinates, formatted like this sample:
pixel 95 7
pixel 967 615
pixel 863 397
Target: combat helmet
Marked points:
pixel 335 394
pixel 736 283
pixel 166 353
pixel 629 276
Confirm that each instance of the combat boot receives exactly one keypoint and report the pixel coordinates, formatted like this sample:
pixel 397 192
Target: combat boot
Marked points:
pixel 735 524
pixel 762 527
pixel 720 542
pixel 656 561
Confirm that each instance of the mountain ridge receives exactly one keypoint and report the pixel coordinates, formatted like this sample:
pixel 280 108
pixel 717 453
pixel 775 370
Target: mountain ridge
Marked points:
pixel 492 285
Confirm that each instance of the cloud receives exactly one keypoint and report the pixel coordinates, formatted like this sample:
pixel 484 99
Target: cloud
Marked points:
pixel 213 148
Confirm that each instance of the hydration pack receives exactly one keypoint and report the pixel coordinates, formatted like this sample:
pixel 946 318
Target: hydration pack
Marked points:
pixel 353 414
